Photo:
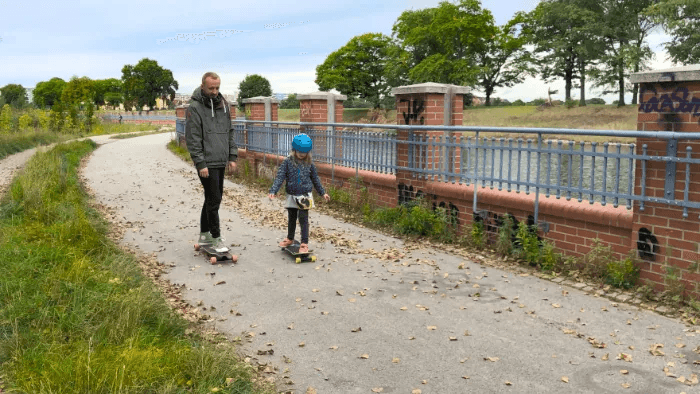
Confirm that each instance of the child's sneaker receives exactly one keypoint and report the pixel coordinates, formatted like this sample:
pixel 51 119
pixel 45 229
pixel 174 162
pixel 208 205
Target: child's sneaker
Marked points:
pixel 205 238
pixel 286 243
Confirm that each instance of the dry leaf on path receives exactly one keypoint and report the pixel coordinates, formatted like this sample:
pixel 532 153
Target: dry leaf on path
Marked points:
pixel 605 357
pixel 311 390
pixel 626 385
pixel 492 359
pixel 378 389
pixel 556 305
pixel 364 356
pixel 395 360
pixel 565 379
pixel 432 328
pixel 624 371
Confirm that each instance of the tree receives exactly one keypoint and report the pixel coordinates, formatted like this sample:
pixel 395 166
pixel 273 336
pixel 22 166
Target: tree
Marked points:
pixel 14 95
pixel 504 61
pixel 143 83
pixel 48 93
pixel 105 88
pixel 440 44
pixel 253 86
pixel 563 34
pixel 624 28
pixel 358 68
pixel 291 102
pixel 78 91
pixel 681 20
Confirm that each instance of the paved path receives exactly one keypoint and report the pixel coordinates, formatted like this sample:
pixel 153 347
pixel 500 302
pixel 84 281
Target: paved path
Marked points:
pixel 374 314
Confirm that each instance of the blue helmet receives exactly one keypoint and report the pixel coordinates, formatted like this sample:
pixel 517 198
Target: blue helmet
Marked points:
pixel 302 143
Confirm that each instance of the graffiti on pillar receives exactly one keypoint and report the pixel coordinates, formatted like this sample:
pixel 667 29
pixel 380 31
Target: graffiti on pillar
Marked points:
pixel 647 245
pixel 407 195
pixel 666 102
pixel 415 108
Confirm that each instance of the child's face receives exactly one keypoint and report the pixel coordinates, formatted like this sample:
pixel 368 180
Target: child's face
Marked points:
pixel 300 155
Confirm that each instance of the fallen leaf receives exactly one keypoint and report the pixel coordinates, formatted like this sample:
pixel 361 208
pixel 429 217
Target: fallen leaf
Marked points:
pixel 432 328
pixel 462 361
pixel 465 377
pixel 333 347
pixel 492 359
pixel 453 338
pixel 339 292
pixel 298 299
pixel 680 345
pixel 356 329
pixel 377 389
pixel 364 356
pixel 416 391
pixel 556 305
pixel 290 327
pixel 476 286
pixel 466 333
pixel 315 290
pixel 508 383
pixel 302 344
pixel 654 349
pixel 395 360
pixel 311 390
pixel 605 357
pixel 223 282
pixel 424 381
pixel 624 371
pixel 403 308
pixel 411 338
pixel 565 379
pixel 352 300
pixel 626 385
pixel 625 357
pixel 681 379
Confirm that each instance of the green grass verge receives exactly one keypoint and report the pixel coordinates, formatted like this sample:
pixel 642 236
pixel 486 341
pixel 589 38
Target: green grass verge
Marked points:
pixel 11 143
pixel 77 315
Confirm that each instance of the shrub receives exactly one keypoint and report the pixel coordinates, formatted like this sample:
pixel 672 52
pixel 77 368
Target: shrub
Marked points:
pixel 623 273
pixel 25 122
pixel 6 119
pixel 597 259
pixel 596 100
pixel 570 103
pixel 478 240
pixel 529 243
pixel 504 243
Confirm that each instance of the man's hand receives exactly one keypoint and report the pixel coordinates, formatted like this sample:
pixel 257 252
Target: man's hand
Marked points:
pixel 327 197
pixel 204 172
pixel 231 167
pixel 271 196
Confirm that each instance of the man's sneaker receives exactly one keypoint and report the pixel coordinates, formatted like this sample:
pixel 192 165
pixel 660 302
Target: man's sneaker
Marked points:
pixel 206 238
pixel 219 244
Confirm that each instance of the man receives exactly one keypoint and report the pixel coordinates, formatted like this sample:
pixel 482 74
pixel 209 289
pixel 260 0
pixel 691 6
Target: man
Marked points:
pixel 213 149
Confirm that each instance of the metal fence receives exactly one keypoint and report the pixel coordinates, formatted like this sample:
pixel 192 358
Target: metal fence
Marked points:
pixel 534 162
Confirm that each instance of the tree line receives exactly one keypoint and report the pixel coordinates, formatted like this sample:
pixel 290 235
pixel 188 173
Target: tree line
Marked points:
pixel 580 41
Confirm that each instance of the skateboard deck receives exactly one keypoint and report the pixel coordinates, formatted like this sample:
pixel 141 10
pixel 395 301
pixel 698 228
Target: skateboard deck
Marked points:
pixel 299 258
pixel 216 256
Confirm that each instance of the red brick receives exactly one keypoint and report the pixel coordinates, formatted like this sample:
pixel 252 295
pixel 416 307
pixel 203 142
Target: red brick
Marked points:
pixel 683 245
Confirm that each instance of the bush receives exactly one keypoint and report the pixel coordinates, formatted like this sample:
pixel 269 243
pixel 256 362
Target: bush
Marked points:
pixel 570 103
pixel 596 101
pixel 478 239
pixel 528 243
pixel 506 232
pixel 538 102
pixel 518 102
pixel 415 219
pixel 623 273
pixel 6 119
pixel 353 102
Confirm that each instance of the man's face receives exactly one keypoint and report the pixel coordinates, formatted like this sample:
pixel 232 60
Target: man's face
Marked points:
pixel 211 87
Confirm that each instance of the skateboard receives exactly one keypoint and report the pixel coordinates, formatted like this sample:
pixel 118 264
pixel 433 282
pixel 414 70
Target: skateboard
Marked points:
pixel 214 255
pixel 293 249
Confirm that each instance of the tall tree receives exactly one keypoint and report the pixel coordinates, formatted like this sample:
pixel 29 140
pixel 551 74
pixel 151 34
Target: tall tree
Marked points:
pixel 624 28
pixel 357 69
pixel 562 34
pixel 440 44
pixel 48 93
pixel 504 61
pixel 253 86
pixel 143 83
pixel 106 88
pixel 15 95
pixel 77 91
pixel 681 20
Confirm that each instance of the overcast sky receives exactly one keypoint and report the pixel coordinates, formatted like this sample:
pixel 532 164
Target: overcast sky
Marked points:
pixel 283 41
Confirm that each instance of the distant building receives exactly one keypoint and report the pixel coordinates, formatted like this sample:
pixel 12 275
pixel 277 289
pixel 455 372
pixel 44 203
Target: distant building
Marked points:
pixel 281 96
pixel 30 94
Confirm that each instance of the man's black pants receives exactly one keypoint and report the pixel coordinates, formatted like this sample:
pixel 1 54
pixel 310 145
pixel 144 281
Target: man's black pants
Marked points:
pixel 213 191
pixel 303 215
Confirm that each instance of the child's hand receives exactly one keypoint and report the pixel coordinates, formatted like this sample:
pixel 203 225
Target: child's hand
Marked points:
pixel 327 197
pixel 271 196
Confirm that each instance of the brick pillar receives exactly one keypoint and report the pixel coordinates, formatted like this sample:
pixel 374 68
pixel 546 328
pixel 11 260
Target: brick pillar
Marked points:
pixel 425 104
pixel 323 107
pixel 668 243
pixel 263 109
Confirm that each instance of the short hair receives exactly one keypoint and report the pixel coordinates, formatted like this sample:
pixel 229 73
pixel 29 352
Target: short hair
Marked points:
pixel 209 74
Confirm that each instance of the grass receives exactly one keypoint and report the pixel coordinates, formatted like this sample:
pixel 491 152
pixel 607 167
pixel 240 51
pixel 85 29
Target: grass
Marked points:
pixel 599 117
pixel 77 314
pixel 11 143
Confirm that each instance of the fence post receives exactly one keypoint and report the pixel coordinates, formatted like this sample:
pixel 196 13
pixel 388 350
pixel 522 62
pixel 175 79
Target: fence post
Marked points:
pixel 425 104
pixel 668 242
pixel 324 107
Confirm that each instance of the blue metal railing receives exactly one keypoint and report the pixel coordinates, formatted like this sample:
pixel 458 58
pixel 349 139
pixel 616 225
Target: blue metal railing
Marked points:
pixel 583 170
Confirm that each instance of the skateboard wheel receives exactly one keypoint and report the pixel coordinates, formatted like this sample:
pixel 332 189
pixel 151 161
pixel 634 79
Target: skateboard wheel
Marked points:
pixel 313 259
pixel 213 260
pixel 298 260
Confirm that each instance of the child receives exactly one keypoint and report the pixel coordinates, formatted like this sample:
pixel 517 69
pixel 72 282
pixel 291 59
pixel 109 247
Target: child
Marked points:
pixel 301 177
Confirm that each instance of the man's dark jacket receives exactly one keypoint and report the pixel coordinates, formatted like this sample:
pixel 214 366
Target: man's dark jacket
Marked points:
pixel 209 134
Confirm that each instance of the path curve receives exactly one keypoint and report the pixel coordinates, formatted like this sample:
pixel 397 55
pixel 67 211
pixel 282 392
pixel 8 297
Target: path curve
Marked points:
pixel 373 314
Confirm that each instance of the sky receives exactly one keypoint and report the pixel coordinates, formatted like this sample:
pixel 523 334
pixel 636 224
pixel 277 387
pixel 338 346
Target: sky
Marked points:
pixel 283 41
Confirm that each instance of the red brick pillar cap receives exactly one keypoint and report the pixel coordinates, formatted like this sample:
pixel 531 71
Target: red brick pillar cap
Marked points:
pixel 430 87
pixel 676 74
pixel 321 96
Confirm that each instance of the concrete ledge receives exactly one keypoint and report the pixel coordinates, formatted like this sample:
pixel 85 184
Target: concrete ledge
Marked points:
pixel 260 99
pixel 676 74
pixel 321 96
pixel 430 87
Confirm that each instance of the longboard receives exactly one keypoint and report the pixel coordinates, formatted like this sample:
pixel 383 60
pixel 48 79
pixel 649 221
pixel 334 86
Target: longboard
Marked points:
pixel 299 258
pixel 216 256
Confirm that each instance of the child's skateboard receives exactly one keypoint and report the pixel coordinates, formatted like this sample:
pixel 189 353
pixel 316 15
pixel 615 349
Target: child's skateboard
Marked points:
pixel 293 249
pixel 214 255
